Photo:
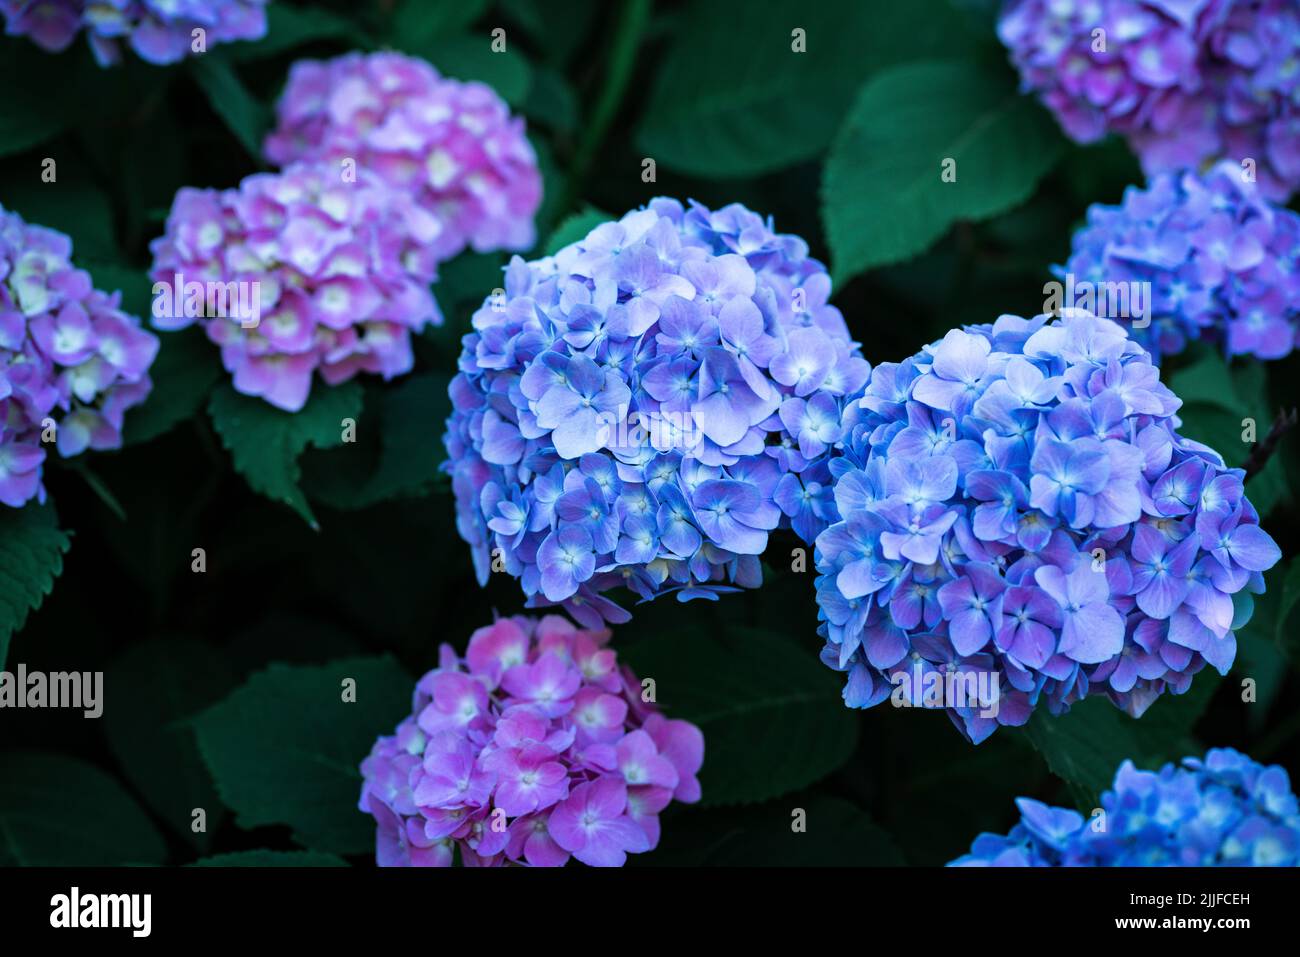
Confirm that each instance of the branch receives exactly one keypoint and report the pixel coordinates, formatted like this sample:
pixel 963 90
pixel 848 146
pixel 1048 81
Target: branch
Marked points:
pixel 1259 456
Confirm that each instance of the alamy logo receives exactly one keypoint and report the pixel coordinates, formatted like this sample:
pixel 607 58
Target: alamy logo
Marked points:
pixel 932 688
pixel 179 299
pixel 664 431
pixel 134 911
pixel 1129 301
pixel 56 689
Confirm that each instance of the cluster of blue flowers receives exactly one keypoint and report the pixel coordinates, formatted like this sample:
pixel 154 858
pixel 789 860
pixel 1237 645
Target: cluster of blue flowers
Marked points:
pixel 1224 811
pixel 159 31
pixel 1217 260
pixel 642 408
pixel 1017 505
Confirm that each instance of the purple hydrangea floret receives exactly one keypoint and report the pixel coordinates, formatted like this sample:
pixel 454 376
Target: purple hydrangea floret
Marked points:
pixel 1223 811
pixel 159 32
pixel 1209 257
pixel 303 271
pixel 453 146
pixel 71 361
pixel 1022 524
pixel 645 406
pixel 1187 82
pixel 533 748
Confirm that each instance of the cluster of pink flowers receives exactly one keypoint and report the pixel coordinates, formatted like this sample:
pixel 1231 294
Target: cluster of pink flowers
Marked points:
pixel 71 362
pixel 295 272
pixel 390 170
pixel 533 748
pixel 454 147
pixel 1187 82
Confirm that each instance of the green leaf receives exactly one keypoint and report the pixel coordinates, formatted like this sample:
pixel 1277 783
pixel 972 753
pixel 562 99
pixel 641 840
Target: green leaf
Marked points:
pixel 553 180
pixel 71 205
pixel 286 638
pixel 1270 487
pixel 418 23
pixel 985 10
pixel 398 447
pixel 1164 732
pixel 134 285
pixel 1085 746
pixel 155 686
pixel 551 101
pixel 1260 659
pixel 463 285
pixel 1265 641
pixel 271 859
pixel 286 749
pixel 1290 597
pixel 944 792
pixel 468 56
pixel 733 99
pixel 265 442
pixel 574 228
pixel 97 486
pixel 556 27
pixel 31 558
pixel 288 27
pixel 883 195
pixel 1099 173
pixel 183 374
pixel 837 834
pixel 29 111
pixel 247 118
pixel 57 811
pixel 1217 401
pixel 771 714
pixel 1208 380
pixel 1216 425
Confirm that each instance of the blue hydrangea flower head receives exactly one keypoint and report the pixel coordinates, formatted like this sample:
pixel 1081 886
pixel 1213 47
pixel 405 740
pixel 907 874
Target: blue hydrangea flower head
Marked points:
pixel 1207 256
pixel 1223 811
pixel 644 407
pixel 1020 524
pixel 159 32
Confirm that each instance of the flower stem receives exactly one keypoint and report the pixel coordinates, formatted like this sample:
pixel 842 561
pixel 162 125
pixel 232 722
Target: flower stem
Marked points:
pixel 627 37
pixel 1259 457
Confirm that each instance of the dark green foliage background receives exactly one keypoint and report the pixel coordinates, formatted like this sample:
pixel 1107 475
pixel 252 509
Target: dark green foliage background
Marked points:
pixel 328 561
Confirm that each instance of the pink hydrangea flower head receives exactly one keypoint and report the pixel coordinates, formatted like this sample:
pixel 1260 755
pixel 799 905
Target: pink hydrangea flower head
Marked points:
pixel 533 748
pixel 1187 82
pixel 452 145
pixel 308 270
pixel 71 361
